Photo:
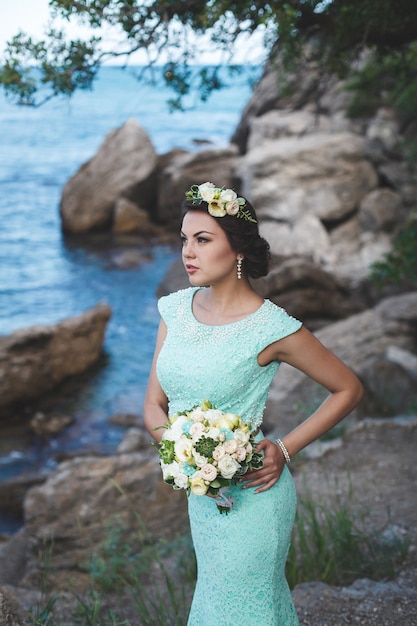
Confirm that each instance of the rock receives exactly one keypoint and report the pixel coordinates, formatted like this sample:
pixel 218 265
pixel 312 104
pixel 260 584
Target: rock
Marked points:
pixel 8 616
pixel 124 419
pixel 353 250
pixel 12 494
pixel 79 501
pixel 127 258
pixel 380 210
pixel 385 129
pixel 309 292
pixel 129 218
pixel 404 358
pixel 36 359
pixel 42 424
pixel 124 166
pixel 321 174
pixel 175 278
pixel 361 341
pixel 273 91
pixel 402 177
pixel 184 170
pixel 135 439
pixel 278 124
pixel 306 235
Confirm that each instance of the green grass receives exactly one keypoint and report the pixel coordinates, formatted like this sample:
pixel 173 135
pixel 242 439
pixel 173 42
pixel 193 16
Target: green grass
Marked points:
pixel 153 581
pixel 331 544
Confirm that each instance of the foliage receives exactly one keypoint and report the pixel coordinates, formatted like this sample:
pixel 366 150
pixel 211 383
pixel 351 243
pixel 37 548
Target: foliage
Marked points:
pixel 401 264
pixel 330 545
pixel 42 613
pixel 125 563
pixel 177 33
pixel 386 80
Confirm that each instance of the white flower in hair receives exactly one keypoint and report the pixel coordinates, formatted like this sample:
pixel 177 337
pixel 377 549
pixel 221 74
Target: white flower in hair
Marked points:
pixel 220 201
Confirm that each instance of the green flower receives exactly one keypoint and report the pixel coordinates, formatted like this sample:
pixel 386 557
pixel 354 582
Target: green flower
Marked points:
pixel 166 451
pixel 205 446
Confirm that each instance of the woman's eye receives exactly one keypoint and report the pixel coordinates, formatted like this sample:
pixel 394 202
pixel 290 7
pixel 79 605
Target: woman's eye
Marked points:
pixel 202 240
pixel 183 240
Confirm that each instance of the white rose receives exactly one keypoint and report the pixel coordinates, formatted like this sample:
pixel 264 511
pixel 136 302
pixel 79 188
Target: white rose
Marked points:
pixel 181 481
pixel 228 466
pixel 230 446
pixel 197 415
pixel 208 472
pixel 232 417
pixel 241 454
pixel 169 470
pixel 213 414
pixel 232 208
pixel 183 449
pixel 214 433
pixel 206 191
pixel 175 431
pixel 197 430
pixel 197 484
pixel 228 195
pixel 218 453
pixel 170 435
pixel 223 422
pixel 241 437
pixel 199 459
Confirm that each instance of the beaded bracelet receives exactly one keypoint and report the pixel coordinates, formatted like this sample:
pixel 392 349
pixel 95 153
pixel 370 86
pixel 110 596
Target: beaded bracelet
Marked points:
pixel 284 451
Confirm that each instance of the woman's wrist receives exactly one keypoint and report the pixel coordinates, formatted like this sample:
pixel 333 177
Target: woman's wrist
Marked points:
pixel 283 450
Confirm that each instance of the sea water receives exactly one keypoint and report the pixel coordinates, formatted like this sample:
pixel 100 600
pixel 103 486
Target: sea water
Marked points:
pixel 45 277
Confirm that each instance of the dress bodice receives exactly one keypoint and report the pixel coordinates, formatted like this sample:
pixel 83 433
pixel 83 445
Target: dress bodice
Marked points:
pixel 219 363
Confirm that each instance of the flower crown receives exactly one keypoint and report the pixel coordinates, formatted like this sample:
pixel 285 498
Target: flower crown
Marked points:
pixel 220 201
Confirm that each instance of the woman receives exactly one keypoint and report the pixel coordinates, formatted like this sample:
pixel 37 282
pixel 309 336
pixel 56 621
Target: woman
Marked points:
pixel 219 340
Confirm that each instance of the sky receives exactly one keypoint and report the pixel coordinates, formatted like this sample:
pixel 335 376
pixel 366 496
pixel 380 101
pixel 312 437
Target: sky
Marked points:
pixel 27 15
pixel 32 16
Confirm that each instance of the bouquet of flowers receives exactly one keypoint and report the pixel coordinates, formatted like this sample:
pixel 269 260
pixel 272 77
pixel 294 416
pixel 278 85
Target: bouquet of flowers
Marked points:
pixel 204 450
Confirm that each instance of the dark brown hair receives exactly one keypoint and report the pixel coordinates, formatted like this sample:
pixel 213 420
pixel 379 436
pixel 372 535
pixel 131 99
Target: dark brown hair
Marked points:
pixel 243 236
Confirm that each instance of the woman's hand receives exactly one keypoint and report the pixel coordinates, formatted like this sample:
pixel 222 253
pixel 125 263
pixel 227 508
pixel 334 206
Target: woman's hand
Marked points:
pixel 265 477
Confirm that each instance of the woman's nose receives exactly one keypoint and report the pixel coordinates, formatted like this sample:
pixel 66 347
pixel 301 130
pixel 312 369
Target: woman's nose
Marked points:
pixel 188 250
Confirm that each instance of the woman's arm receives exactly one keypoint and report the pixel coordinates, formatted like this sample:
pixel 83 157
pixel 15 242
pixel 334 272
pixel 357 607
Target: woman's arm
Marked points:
pixel 155 407
pixel 303 351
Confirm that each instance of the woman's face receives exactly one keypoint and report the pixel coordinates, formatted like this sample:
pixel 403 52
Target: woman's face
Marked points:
pixel 206 251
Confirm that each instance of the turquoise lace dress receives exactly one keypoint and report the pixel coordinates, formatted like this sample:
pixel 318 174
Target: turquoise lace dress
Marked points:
pixel 240 556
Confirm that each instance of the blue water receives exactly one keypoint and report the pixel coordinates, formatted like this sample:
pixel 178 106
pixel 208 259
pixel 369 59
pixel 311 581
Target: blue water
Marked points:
pixel 45 278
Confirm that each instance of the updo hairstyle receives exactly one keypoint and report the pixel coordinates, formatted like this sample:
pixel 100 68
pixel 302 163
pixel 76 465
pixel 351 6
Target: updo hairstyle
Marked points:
pixel 243 236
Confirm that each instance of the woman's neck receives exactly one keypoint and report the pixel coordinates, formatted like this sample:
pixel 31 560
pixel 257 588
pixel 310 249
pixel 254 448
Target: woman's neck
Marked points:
pixel 222 304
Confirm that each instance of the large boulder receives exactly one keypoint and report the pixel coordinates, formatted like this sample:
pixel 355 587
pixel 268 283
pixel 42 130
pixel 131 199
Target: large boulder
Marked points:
pixel 374 344
pixel 34 360
pixel 320 174
pixel 310 292
pixel 80 502
pixel 305 187
pixel 124 166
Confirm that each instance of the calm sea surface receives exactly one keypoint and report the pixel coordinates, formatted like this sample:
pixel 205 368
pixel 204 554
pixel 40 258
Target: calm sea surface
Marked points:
pixel 44 278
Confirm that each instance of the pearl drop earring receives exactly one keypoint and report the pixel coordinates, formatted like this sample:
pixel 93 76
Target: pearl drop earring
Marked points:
pixel 239 268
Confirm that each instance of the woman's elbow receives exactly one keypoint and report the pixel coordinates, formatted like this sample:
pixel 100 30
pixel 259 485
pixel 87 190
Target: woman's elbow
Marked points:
pixel 358 392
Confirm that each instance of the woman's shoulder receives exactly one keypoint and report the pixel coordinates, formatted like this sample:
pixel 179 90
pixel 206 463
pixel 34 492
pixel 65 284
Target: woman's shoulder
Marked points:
pixel 170 304
pixel 278 321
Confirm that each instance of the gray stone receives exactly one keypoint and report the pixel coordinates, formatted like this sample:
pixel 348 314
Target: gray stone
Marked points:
pixel 81 499
pixel 361 341
pixel 380 210
pixel 322 174
pixel 34 360
pixel 124 166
